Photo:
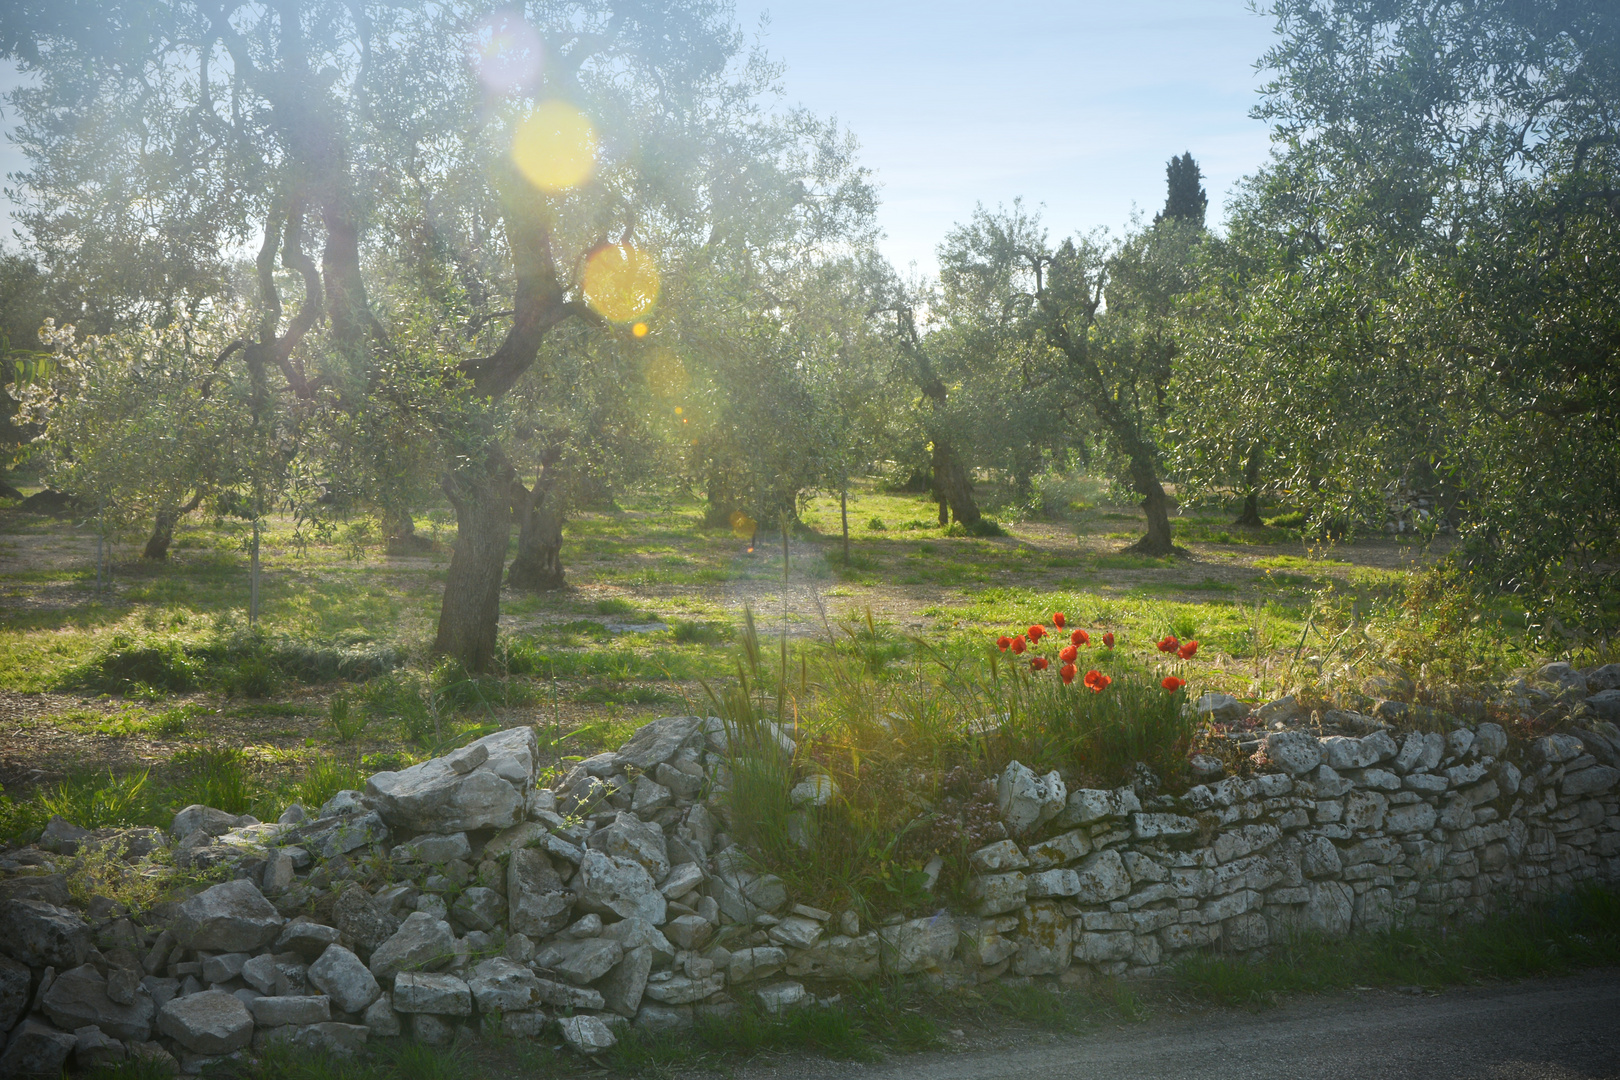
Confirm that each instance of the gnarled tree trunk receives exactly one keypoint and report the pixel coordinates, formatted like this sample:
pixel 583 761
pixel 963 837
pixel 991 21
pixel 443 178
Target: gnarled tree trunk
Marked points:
pixel 482 493
pixel 954 485
pixel 538 566
pixel 163 525
pixel 1251 481
pixel 402 536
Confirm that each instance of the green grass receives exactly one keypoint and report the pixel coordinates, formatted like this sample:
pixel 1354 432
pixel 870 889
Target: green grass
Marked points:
pixel 1577 930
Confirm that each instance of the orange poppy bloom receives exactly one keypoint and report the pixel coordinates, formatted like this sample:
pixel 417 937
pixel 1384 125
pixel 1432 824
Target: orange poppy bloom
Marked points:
pixel 1003 642
pixel 1172 684
pixel 1019 645
pixel 1187 649
pixel 1038 663
pixel 1037 632
pixel 1168 643
pixel 1096 681
pixel 1080 637
pixel 1067 671
pixel 1068 654
pixel 1108 640
pixel 1058 620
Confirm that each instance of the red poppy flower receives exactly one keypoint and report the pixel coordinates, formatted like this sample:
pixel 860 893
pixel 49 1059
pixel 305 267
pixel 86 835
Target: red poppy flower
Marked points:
pixel 1038 663
pixel 1187 649
pixel 1037 632
pixel 1172 684
pixel 1108 640
pixel 1096 681
pixel 1068 654
pixel 1168 643
pixel 1067 671
pixel 1058 620
pixel 1080 637
pixel 1019 645
pixel 1003 642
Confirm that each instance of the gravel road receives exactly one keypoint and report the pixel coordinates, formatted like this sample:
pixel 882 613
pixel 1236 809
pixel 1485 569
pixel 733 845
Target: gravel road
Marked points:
pixel 1549 1029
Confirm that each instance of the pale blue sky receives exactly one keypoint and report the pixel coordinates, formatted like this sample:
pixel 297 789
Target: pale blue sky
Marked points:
pixel 1075 105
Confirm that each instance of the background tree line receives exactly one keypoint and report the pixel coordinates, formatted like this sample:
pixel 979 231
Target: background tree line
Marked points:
pixel 354 257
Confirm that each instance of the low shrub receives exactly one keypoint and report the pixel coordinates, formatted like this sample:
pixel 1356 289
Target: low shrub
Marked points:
pixel 686 632
pixel 238 662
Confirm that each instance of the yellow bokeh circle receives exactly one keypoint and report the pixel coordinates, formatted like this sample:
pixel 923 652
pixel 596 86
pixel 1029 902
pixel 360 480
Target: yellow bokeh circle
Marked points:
pixel 555 146
pixel 621 282
pixel 640 329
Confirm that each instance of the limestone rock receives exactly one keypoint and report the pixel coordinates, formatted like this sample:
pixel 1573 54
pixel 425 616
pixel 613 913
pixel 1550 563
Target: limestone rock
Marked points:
pixel 281 1011
pixel 499 985
pixel 381 1019
pixel 345 979
pixel 994 894
pixel 1590 781
pixel 330 1037
pixel 62 836
pixel 580 962
pixel 94 1048
pixel 421 943
pixel 631 838
pixel 839 957
pixel 212 1022
pixel 918 945
pixel 15 982
pixel 1221 708
pixel 817 790
pixel 998 857
pixel 1294 752
pixel 1045 939
pixel 782 996
pixel 537 902
pixel 478 908
pixel 426 992
pixel 200 818
pixel 435 849
pixel 230 917
pixel 1089 805
pixel 306 938
pixel 78 997
pixel 587 1034
pixel 683 989
pixel 432 797
pixel 623 987
pixel 1103 877
pixel 43 935
pixel 1605 704
pixel 1027 801
pixel 36 1049
pixel 657 742
pixel 618 886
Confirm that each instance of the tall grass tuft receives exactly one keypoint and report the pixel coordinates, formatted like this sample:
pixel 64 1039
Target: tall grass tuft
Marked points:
pixel 215 776
pixel 96 802
pixel 324 778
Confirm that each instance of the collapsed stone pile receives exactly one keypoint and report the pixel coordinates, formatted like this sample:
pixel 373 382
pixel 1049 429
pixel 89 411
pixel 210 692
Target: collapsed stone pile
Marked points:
pixel 456 893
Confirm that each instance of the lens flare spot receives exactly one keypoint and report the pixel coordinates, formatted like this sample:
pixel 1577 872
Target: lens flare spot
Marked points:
pixel 506 53
pixel 743 527
pixel 640 329
pixel 555 146
pixel 621 282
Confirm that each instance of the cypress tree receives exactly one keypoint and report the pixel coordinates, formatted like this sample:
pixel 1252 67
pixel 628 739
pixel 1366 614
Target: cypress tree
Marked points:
pixel 1185 199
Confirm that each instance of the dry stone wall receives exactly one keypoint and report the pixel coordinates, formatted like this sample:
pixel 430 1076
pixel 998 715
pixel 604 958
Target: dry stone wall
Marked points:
pixel 457 894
